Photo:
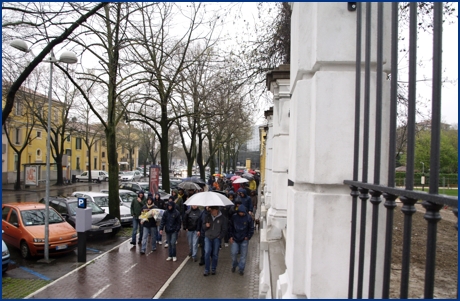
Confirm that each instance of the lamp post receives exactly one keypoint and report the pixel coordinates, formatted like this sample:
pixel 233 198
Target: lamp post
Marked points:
pixel 68 58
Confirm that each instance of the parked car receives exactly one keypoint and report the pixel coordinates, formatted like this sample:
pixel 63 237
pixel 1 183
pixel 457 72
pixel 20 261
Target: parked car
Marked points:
pixel 126 196
pixel 96 175
pixel 131 176
pixel 102 200
pixel 135 186
pixel 5 256
pixel 24 228
pixel 102 224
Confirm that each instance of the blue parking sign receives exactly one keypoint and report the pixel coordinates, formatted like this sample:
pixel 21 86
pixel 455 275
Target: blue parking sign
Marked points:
pixel 82 203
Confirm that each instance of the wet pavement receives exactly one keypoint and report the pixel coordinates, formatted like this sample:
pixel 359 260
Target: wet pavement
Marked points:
pixel 122 272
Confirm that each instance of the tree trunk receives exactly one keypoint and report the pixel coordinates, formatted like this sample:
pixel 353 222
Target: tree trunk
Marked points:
pixel 114 199
pixel 17 185
pixel 60 177
pixel 164 142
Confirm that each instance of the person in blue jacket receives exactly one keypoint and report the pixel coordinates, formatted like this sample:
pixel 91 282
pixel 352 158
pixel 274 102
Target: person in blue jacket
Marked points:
pixel 245 200
pixel 171 223
pixel 241 229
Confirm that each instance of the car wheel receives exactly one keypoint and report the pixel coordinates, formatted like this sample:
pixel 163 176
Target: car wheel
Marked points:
pixel 106 179
pixel 25 252
pixel 78 180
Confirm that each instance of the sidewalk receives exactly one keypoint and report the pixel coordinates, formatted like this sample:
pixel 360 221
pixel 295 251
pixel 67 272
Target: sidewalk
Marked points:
pixel 124 273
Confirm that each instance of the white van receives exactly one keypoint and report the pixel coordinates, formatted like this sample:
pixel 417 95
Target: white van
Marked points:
pixel 96 175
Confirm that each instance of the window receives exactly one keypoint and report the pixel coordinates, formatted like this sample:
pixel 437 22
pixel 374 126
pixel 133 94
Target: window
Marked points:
pixel 68 138
pixel 17 108
pixel 38 155
pixel 17 136
pixel 95 163
pixel 13 218
pixel 103 154
pixel 68 152
pixel 5 212
pixel 95 146
pixel 78 163
pixel 39 134
pixel 103 142
pixel 78 143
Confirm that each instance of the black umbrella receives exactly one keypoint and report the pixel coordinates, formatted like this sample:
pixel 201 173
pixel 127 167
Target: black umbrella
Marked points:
pixel 196 180
pixel 248 176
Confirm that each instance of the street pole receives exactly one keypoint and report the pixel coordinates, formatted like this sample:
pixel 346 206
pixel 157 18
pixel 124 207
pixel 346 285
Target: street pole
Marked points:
pixel 423 176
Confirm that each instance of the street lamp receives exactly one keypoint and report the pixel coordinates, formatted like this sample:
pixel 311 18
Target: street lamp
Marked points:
pixel 68 58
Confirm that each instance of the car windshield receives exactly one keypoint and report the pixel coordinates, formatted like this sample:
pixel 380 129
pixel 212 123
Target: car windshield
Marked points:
pixel 37 217
pixel 95 209
pixel 101 201
pixel 144 186
pixel 128 197
pixel 128 173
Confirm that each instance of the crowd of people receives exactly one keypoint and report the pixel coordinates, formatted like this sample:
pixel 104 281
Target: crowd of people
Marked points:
pixel 207 229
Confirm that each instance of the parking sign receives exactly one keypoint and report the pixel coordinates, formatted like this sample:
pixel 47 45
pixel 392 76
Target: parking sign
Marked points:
pixel 82 203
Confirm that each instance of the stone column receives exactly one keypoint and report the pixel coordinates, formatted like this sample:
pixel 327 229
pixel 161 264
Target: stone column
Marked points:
pixel 279 85
pixel 323 42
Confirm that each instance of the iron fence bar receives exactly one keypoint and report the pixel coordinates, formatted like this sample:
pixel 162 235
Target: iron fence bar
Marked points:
pixel 354 190
pixel 408 209
pixel 436 98
pixel 418 195
pixel 364 196
pixel 390 204
pixel 375 199
pixel 393 93
pixel 433 217
pixel 412 95
pixel 364 192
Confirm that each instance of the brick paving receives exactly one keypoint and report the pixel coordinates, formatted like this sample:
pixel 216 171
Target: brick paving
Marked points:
pixel 124 273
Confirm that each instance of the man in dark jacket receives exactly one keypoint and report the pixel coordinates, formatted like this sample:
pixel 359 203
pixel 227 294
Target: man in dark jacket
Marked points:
pixel 201 238
pixel 241 229
pixel 192 226
pixel 215 227
pixel 136 209
pixel 245 200
pixel 171 222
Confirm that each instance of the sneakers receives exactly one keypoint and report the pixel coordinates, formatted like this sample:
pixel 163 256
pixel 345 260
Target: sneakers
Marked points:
pixel 169 259
pixel 132 242
pixel 205 274
pixel 201 263
pixel 159 242
pixel 174 258
pixel 142 252
pixel 166 245
pixel 241 273
pixel 226 244
pixel 233 269
pixel 213 272
pixel 139 242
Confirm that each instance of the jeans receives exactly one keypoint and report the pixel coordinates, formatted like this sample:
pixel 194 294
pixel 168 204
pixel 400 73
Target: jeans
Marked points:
pixel 137 224
pixel 211 248
pixel 239 247
pixel 153 232
pixel 158 234
pixel 192 239
pixel 171 238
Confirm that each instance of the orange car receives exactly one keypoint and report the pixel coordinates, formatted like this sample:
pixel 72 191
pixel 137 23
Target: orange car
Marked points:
pixel 24 228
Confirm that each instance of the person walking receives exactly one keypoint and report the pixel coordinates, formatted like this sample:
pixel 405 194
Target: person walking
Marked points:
pixel 136 209
pixel 245 200
pixel 192 226
pixel 215 227
pixel 171 223
pixel 149 227
pixel 241 229
pixel 203 215
pixel 160 204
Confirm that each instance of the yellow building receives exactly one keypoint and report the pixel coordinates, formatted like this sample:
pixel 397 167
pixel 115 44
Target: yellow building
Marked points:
pixel 26 131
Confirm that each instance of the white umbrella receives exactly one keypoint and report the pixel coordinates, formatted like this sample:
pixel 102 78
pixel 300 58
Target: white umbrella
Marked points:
pixel 208 198
pixel 240 180
pixel 189 186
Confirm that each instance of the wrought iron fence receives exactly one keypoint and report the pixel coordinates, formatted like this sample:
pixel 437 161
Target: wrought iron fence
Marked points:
pixel 370 192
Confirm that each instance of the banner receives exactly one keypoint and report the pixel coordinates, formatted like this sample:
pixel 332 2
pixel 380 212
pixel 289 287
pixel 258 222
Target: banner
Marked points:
pixel 31 176
pixel 154 179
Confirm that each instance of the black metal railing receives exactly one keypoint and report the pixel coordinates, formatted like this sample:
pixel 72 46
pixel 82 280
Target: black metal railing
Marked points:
pixel 372 192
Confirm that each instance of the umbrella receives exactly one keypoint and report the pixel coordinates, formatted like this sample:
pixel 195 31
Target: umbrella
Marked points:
pixel 229 175
pixel 248 176
pixel 189 186
pixel 234 178
pixel 208 198
pixel 196 180
pixel 217 175
pixel 252 172
pixel 240 180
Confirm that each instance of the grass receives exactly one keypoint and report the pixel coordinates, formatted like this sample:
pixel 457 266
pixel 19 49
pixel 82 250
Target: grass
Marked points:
pixel 449 192
pixel 125 232
pixel 13 288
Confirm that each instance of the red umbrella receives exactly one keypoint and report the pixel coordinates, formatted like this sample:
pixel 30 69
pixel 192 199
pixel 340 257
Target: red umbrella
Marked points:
pixel 234 178
pixel 252 172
